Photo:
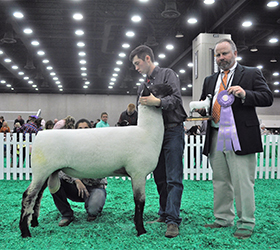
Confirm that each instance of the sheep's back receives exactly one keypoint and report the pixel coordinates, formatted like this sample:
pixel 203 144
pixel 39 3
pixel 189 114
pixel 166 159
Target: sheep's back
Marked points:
pixel 97 152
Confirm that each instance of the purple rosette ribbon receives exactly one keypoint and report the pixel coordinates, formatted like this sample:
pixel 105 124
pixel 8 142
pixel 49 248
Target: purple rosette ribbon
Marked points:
pixel 227 131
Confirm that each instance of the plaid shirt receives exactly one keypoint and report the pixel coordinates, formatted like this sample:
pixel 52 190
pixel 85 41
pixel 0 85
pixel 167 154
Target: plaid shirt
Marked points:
pixel 30 128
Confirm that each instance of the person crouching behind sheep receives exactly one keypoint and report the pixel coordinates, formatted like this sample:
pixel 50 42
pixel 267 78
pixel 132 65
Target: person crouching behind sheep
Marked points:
pixel 90 191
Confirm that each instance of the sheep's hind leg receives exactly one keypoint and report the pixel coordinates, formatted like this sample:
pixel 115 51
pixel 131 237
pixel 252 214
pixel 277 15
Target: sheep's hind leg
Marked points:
pixel 139 200
pixel 29 198
pixel 34 221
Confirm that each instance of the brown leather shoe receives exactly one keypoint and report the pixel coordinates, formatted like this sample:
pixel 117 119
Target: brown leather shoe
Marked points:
pixel 64 222
pixel 91 218
pixel 242 233
pixel 161 220
pixel 172 230
pixel 214 225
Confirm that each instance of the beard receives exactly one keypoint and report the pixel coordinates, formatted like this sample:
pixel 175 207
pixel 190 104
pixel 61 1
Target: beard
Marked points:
pixel 224 65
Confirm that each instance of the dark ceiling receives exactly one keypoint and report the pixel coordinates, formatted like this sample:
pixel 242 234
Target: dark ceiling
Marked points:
pixel 105 23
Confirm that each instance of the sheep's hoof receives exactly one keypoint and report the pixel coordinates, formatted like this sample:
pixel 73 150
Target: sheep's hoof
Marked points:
pixel 25 235
pixel 34 223
pixel 140 232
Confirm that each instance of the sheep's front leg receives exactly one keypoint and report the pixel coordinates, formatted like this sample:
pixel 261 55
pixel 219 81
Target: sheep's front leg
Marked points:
pixel 139 200
pixel 138 217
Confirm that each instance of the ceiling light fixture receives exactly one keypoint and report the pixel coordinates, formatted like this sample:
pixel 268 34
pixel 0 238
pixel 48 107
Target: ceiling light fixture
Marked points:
pixel 80 44
pixel 18 14
pixel 130 34
pixel 79 32
pixel 170 10
pixel 35 43
pixel 209 1
pixel 169 46
pixel 254 49
pixel 41 53
pixel 28 31
pixel 9 34
pixel 126 45
pixel 136 19
pixel 273 40
pixel 247 24
pixel 179 34
pixel 78 16
pixel 192 20
pixel 272 4
pixel 82 53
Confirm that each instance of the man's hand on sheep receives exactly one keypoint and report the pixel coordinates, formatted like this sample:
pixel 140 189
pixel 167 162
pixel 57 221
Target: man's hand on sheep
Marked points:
pixel 150 100
pixel 82 190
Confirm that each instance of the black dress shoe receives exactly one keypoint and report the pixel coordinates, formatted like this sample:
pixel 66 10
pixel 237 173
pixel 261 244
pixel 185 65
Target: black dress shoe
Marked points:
pixel 64 222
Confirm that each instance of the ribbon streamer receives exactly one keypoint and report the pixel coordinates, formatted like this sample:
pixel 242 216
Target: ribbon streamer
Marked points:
pixel 227 131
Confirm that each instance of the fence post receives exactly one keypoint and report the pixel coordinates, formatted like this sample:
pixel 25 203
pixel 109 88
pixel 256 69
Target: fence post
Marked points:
pixel 1 156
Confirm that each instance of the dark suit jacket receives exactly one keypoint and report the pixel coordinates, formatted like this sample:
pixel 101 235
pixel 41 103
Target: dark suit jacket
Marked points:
pixel 258 94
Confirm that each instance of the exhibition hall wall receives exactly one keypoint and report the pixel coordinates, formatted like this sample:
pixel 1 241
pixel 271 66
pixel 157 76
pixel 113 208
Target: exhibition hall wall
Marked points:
pixel 91 106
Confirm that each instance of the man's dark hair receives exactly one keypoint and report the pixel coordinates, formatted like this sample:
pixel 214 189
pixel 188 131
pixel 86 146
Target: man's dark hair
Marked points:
pixel 82 121
pixel 142 51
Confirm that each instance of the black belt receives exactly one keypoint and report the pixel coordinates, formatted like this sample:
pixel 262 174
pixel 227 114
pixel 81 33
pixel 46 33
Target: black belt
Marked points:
pixel 172 125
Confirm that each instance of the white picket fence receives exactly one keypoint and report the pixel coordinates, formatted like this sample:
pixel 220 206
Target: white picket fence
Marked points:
pixel 196 165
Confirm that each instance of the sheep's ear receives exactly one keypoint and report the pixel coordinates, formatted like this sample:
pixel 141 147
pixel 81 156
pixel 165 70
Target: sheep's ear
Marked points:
pixel 145 91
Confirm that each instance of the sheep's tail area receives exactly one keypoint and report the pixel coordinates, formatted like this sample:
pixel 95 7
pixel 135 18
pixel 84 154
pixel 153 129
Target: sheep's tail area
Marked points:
pixel 30 206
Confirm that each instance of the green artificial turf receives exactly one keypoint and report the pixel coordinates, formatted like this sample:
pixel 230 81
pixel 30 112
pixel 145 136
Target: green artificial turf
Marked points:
pixel 115 228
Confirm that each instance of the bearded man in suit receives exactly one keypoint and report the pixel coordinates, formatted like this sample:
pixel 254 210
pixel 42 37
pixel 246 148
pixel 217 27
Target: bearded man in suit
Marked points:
pixel 234 170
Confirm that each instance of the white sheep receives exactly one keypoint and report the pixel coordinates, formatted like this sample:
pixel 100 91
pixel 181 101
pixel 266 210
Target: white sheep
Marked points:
pixel 95 153
pixel 201 105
